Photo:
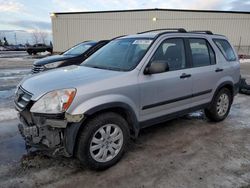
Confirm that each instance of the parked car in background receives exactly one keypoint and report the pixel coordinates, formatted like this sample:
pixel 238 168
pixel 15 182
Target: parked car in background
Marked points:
pixel 36 48
pixel 91 111
pixel 73 56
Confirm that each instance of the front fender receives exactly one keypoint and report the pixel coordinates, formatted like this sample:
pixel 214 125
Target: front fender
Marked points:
pixel 94 105
pixel 101 102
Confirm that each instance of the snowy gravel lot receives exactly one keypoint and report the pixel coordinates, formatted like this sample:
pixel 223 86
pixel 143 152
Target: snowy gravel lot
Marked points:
pixel 186 152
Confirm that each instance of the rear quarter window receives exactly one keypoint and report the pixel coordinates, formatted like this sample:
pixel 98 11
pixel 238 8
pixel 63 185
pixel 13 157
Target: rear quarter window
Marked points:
pixel 225 49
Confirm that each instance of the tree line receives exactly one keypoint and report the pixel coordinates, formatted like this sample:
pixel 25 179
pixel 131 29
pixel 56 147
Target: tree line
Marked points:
pixel 37 36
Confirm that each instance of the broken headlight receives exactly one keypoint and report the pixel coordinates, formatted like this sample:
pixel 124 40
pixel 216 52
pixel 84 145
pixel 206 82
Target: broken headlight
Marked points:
pixel 54 102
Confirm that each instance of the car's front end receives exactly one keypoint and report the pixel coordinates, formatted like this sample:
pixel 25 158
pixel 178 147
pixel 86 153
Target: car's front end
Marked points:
pixel 43 102
pixel 43 122
pixel 73 56
pixel 51 62
pixel 56 106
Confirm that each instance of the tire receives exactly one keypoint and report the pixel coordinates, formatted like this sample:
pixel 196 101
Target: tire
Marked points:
pixel 244 87
pixel 94 129
pixel 50 51
pixel 218 113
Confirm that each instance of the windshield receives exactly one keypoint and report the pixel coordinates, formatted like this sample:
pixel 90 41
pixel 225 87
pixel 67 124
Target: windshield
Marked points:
pixel 79 49
pixel 120 54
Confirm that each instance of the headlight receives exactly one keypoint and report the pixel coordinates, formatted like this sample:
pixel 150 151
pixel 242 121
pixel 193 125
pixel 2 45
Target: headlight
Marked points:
pixel 53 65
pixel 54 102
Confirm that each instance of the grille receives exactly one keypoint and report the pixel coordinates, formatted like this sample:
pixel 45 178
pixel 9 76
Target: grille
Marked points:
pixel 37 69
pixel 22 99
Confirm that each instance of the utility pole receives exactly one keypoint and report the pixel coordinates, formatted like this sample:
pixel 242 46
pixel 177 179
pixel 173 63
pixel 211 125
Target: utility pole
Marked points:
pixel 15 38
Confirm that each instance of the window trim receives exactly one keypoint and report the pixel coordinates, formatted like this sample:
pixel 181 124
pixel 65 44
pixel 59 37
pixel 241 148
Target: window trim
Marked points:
pixel 222 52
pixel 209 50
pixel 208 45
pixel 187 61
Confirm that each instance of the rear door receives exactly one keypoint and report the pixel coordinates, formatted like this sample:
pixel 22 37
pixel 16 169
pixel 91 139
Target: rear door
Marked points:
pixel 205 70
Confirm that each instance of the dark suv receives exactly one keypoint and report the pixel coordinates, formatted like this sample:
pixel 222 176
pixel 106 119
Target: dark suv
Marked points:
pixel 73 56
pixel 36 48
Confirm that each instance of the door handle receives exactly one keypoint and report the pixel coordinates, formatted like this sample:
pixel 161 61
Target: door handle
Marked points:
pixel 184 75
pixel 218 70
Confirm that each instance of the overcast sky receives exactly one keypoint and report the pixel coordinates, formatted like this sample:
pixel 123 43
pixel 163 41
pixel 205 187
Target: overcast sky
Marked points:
pixel 28 15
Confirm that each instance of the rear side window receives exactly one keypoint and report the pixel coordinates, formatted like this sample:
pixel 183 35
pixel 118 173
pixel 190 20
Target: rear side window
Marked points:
pixel 225 49
pixel 202 53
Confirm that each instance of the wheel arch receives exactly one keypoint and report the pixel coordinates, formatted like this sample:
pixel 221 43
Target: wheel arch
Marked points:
pixel 226 84
pixel 120 108
pixel 72 131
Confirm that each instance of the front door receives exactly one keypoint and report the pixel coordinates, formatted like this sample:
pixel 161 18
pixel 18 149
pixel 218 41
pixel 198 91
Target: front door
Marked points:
pixel 165 93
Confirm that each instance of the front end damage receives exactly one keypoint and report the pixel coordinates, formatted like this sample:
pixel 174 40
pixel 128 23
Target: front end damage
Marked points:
pixel 55 133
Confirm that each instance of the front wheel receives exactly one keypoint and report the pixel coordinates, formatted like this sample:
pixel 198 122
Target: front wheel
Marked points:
pixel 220 106
pixel 103 141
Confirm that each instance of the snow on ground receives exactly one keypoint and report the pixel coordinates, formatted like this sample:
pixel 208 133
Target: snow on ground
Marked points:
pixel 7 114
pixel 13 54
pixel 45 53
pixel 244 60
pixel 9 78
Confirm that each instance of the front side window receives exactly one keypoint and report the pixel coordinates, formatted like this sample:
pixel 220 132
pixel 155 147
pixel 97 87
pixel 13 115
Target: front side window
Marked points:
pixel 202 53
pixel 172 52
pixel 120 54
pixel 225 49
pixel 79 49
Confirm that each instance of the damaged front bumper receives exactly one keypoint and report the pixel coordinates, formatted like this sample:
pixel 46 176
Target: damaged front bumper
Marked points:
pixel 56 133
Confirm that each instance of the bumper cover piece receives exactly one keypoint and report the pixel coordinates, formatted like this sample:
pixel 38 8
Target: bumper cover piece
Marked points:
pixel 42 132
pixel 54 134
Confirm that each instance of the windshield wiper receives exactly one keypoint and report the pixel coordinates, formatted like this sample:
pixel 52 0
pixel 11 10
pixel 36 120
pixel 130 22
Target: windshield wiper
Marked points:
pixel 106 68
pixel 114 68
pixel 94 66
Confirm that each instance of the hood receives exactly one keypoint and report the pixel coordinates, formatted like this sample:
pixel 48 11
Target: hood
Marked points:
pixel 65 77
pixel 53 58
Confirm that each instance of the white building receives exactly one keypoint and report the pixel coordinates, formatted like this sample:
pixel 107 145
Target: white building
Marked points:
pixel 70 28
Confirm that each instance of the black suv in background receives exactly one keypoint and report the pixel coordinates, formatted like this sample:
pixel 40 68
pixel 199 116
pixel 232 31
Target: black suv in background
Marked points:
pixel 73 56
pixel 36 48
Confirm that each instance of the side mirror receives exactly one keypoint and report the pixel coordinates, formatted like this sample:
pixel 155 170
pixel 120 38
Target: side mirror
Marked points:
pixel 158 66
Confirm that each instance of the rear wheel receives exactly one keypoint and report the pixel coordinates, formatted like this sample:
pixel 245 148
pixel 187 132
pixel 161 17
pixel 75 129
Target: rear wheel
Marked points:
pixel 50 51
pixel 103 141
pixel 29 52
pixel 220 105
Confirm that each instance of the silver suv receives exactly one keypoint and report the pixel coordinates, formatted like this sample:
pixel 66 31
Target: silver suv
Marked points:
pixel 92 110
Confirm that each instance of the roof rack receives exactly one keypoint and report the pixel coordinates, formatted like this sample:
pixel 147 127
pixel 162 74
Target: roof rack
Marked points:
pixel 118 37
pixel 202 31
pixel 181 30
